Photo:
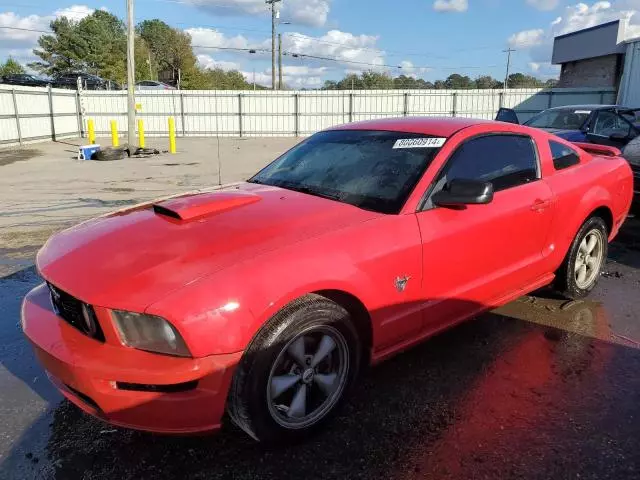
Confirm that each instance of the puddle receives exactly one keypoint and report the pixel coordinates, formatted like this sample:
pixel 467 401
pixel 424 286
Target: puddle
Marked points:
pixel 9 156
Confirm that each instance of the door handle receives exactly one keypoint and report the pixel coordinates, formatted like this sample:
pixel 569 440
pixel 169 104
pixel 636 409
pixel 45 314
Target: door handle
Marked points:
pixel 540 205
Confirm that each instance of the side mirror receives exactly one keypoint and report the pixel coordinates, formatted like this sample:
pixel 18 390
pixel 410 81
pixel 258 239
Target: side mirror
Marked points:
pixel 460 192
pixel 507 115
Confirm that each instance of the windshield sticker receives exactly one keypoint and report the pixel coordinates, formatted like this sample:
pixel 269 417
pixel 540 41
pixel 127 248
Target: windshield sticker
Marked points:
pixel 583 112
pixel 432 142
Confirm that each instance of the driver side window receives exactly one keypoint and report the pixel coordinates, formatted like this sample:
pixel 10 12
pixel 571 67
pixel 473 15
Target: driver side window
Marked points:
pixel 505 160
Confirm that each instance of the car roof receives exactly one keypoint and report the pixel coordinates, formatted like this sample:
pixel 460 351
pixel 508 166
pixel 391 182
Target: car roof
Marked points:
pixel 438 126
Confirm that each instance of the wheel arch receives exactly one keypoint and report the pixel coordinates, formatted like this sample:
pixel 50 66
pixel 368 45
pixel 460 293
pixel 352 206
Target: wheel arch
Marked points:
pixel 360 315
pixel 606 214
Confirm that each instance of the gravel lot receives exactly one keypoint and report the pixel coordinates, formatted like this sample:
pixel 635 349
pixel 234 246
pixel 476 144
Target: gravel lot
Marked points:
pixel 541 388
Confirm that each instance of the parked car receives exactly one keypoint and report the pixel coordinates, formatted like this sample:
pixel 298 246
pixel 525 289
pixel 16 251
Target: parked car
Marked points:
pixel 89 82
pixel 25 79
pixel 600 124
pixel 265 298
pixel 153 85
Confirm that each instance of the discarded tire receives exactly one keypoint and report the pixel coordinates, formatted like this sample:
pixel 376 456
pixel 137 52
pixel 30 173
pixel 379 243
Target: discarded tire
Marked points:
pixel 109 154
pixel 146 151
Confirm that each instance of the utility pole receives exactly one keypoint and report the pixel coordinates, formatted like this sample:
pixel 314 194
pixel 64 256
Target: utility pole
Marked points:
pixel 506 77
pixel 280 85
pixel 131 77
pixel 273 40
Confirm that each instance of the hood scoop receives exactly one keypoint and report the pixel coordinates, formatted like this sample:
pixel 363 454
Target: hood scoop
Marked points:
pixel 195 206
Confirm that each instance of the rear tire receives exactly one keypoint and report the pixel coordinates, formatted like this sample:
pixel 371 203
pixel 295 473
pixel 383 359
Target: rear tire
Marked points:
pixel 296 371
pixel 581 268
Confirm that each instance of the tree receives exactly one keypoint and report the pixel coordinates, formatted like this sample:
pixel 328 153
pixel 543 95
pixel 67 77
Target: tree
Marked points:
pixel 10 67
pixel 457 81
pixel 373 80
pixel 487 81
pixel 96 44
pixel 170 51
pixel 519 80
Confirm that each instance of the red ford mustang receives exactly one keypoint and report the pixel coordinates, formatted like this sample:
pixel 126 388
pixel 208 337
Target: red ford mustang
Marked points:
pixel 264 298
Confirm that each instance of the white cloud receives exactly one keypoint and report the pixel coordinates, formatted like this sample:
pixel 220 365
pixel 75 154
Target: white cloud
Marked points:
pixel 407 68
pixel 527 38
pixel 305 12
pixel 346 47
pixel 544 4
pixel 290 78
pixel 22 36
pixel 207 61
pixel 451 5
pixel 208 37
pixel 75 12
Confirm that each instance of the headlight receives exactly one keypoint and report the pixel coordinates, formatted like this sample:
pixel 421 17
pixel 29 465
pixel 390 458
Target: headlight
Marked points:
pixel 148 332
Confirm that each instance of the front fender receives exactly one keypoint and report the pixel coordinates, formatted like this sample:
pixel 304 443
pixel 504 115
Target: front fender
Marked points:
pixel 221 314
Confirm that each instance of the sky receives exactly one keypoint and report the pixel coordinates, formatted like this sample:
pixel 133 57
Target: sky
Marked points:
pixel 430 39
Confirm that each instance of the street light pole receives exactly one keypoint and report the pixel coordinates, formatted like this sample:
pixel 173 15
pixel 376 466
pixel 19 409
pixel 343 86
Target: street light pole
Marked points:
pixel 131 78
pixel 273 41
pixel 280 85
pixel 506 77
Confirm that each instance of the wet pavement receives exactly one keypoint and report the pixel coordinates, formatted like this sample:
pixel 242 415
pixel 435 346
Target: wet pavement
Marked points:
pixel 540 388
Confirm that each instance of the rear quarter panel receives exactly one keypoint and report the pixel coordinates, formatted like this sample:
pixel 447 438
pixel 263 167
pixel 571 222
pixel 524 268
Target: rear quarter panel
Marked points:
pixel 596 182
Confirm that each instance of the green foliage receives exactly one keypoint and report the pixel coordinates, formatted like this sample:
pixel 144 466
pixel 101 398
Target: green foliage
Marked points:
pixel 96 44
pixel 455 81
pixel 519 80
pixel 487 81
pixel 10 67
pixel 170 52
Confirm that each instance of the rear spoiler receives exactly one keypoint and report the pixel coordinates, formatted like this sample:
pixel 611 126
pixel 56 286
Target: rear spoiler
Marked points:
pixel 595 149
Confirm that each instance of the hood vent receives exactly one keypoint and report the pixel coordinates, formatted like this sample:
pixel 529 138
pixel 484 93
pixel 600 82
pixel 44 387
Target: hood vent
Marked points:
pixel 196 206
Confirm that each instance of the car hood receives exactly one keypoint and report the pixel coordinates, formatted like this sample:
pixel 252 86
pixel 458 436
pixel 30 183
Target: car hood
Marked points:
pixel 131 258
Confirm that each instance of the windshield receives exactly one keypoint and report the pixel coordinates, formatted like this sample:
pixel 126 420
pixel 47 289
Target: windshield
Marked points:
pixel 373 170
pixel 565 119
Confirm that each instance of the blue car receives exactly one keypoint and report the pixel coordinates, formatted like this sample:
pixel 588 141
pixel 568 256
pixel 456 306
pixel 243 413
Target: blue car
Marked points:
pixel 601 124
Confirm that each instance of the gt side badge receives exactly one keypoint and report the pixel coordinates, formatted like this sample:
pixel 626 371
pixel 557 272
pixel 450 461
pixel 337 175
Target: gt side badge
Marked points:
pixel 401 283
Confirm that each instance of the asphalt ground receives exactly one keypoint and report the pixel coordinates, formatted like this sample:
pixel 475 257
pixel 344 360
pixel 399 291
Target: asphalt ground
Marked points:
pixel 540 388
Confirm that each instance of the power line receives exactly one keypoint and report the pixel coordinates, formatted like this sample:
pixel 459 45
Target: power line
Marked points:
pixel 305 55
pixel 26 29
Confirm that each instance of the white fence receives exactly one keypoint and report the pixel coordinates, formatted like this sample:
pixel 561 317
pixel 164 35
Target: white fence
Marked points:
pixel 31 114
pixel 34 114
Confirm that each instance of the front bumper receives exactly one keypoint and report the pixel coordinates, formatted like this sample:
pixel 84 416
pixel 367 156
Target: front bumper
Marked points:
pixel 86 371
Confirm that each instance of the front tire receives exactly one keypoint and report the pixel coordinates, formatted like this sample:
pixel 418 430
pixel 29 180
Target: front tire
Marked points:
pixel 296 371
pixel 581 268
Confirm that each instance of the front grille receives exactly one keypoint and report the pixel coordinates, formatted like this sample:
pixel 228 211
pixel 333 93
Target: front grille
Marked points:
pixel 72 311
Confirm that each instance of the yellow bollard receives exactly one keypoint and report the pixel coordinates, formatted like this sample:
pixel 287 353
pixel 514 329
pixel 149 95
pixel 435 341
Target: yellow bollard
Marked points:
pixel 141 132
pixel 172 135
pixel 115 141
pixel 92 131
